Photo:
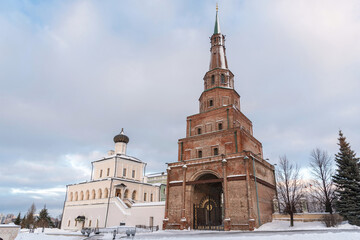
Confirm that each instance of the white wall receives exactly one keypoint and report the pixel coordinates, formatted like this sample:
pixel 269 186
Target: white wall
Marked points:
pixel 141 213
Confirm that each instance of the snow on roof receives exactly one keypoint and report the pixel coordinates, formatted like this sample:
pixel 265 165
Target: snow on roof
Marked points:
pixel 157 184
pixel 159 174
pixel 148 204
pixel 123 156
pixel 10 225
pixel 180 181
pixel 238 175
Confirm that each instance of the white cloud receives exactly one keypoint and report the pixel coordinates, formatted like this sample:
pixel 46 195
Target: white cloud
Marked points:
pixel 40 193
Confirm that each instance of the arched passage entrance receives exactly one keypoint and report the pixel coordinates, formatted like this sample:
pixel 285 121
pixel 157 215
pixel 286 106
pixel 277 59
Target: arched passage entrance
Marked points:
pixel 208 203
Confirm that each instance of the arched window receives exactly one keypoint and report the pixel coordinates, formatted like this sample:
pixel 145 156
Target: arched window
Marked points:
pixel 212 79
pixel 199 130
pixel 118 193
pixel 87 194
pixel 93 195
pixel 211 103
pixel 89 223
pixel 101 173
pixel 106 193
pixel 81 195
pixel 71 196
pixel 151 197
pixel 76 196
pixel 222 79
pixel 145 196
pixel 133 196
pixel 69 223
pixel 99 193
pixel 126 193
pixel 220 126
pixel 199 153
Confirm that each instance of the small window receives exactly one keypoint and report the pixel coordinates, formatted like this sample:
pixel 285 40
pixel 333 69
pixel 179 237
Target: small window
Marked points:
pixel 89 223
pixel 144 197
pixel 211 103
pixel 133 173
pixel 101 173
pixel 220 126
pixel 200 154
pixel 222 79
pixel 69 223
pixel 212 79
pixel 199 131
pixel 108 172
pixel 124 172
pixel 151 197
pixel 216 151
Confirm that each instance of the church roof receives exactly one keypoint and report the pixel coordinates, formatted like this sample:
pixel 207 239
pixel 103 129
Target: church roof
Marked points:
pixel 121 137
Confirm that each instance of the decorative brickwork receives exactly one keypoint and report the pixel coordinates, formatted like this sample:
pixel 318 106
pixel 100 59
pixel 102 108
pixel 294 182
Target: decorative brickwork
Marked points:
pixel 220 181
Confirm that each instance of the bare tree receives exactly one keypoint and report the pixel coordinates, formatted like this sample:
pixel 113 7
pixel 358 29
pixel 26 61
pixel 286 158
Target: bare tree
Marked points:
pixel 322 171
pixel 289 187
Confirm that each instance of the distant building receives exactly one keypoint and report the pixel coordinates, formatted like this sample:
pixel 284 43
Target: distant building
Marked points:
pixel 5 219
pixel 116 194
pixel 158 178
pixel 2 218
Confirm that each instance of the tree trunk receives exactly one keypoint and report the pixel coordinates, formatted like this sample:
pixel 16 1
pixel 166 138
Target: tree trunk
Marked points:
pixel 328 207
pixel 291 219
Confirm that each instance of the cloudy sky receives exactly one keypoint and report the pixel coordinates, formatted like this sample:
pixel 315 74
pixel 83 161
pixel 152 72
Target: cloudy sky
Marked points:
pixel 73 73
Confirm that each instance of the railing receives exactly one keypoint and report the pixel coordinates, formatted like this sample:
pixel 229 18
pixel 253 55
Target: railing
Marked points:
pixel 151 228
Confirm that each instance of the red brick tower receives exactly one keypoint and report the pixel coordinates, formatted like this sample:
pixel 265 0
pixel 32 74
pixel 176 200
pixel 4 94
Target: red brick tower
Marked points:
pixel 220 180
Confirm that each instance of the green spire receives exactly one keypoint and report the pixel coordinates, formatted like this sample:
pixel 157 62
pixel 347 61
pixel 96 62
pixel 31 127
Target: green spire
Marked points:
pixel 217 24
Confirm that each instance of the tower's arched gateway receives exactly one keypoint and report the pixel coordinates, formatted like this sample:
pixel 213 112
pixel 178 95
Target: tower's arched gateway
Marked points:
pixel 208 200
pixel 220 180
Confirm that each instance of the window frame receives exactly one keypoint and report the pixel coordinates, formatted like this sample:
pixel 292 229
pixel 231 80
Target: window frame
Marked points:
pixel 199 153
pixel 222 77
pixel 216 151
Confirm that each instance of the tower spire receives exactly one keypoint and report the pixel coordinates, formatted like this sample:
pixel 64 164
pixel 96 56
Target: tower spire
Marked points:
pixel 218 55
pixel 217 23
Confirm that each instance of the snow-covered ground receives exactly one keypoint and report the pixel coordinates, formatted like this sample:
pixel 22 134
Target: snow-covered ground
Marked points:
pixel 277 225
pixel 276 230
pixel 49 234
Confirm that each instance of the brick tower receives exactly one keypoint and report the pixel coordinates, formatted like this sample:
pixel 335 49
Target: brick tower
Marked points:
pixel 220 180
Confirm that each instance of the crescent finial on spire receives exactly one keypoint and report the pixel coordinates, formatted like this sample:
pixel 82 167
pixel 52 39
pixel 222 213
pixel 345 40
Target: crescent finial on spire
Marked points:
pixel 217 25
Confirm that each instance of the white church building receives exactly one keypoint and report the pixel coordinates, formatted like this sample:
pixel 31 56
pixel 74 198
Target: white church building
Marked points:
pixel 117 194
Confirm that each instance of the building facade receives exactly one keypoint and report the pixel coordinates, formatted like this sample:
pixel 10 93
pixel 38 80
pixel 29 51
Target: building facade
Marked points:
pixel 159 179
pixel 220 180
pixel 117 194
